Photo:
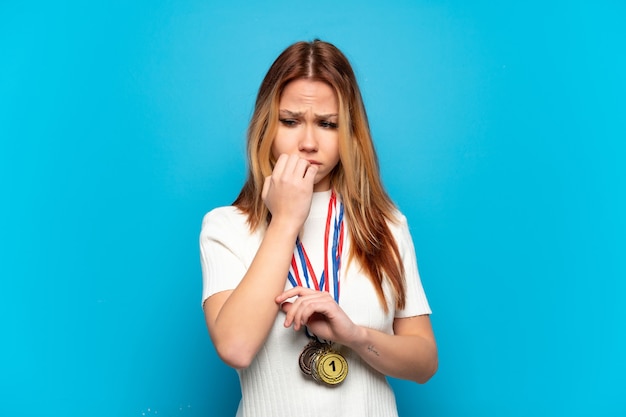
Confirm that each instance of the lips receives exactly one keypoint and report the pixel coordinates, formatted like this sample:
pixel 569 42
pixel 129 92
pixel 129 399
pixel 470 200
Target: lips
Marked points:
pixel 314 162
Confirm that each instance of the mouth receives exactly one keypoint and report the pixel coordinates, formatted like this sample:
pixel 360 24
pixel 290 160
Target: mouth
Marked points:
pixel 314 162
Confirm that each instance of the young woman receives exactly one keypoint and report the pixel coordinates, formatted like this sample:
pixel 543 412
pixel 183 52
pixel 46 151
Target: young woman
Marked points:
pixel 311 288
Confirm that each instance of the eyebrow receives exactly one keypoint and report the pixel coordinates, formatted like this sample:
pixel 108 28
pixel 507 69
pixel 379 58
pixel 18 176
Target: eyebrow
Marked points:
pixel 299 114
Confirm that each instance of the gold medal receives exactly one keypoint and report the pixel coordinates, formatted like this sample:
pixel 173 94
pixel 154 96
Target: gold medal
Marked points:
pixel 322 363
pixel 331 367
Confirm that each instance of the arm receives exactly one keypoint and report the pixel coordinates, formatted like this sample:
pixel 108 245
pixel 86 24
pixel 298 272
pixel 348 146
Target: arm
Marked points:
pixel 410 353
pixel 240 320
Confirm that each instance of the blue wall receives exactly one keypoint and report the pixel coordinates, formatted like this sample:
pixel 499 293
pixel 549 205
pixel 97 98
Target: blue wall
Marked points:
pixel 500 128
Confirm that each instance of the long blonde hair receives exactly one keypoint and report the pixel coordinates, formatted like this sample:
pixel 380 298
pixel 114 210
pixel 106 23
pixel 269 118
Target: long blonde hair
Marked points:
pixel 368 208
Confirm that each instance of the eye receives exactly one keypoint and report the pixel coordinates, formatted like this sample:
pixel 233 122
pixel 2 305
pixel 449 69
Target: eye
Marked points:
pixel 327 124
pixel 288 122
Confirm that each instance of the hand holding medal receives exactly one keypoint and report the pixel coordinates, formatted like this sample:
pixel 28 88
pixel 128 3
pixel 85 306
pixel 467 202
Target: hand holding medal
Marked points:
pixel 319 361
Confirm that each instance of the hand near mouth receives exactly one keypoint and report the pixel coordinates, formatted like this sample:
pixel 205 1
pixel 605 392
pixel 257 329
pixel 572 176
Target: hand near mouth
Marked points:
pixel 287 193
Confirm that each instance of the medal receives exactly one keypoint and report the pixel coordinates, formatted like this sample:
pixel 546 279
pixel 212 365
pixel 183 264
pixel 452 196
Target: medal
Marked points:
pixel 331 367
pixel 314 362
pixel 319 360
pixel 307 355
pixel 322 363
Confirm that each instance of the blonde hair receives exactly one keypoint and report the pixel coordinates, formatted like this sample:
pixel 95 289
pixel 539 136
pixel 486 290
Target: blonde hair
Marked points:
pixel 356 178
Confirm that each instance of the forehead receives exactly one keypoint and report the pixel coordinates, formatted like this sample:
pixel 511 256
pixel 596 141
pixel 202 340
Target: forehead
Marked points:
pixel 305 93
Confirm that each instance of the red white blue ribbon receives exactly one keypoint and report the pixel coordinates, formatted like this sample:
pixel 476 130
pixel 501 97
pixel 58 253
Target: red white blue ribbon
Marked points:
pixel 301 272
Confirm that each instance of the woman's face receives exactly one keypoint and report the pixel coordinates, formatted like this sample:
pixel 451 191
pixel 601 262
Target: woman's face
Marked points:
pixel 308 117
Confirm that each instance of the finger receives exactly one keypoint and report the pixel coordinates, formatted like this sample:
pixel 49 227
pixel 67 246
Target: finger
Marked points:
pixel 315 310
pixel 281 166
pixel 310 173
pixel 301 168
pixel 286 307
pixel 290 310
pixel 304 307
pixel 292 292
pixel 266 187
pixel 294 310
pixel 291 162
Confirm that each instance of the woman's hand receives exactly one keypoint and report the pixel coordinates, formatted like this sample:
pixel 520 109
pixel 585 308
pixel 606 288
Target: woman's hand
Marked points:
pixel 287 193
pixel 409 353
pixel 319 312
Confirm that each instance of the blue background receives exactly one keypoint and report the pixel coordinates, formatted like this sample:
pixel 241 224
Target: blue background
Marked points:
pixel 500 128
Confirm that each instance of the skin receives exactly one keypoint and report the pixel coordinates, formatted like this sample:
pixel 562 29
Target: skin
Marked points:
pixel 306 148
pixel 308 113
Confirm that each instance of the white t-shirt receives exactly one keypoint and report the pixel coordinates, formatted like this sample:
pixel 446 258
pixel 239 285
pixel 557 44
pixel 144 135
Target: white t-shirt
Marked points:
pixel 273 385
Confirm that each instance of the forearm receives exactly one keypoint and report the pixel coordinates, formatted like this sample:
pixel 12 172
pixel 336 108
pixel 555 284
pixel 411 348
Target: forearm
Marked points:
pixel 411 357
pixel 243 320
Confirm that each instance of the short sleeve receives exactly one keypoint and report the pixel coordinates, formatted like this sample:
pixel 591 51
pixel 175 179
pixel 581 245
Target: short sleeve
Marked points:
pixel 225 246
pixel 416 301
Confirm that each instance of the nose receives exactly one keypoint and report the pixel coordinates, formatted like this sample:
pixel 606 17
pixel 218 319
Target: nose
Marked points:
pixel 308 141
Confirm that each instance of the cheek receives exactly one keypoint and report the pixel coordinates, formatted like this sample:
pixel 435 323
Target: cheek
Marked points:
pixel 332 146
pixel 279 144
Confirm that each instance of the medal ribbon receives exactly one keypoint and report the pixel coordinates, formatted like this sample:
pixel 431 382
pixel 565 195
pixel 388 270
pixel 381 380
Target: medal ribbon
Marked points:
pixel 301 265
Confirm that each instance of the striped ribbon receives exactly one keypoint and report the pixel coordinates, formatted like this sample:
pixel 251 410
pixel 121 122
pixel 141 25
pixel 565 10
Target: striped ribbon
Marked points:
pixel 301 272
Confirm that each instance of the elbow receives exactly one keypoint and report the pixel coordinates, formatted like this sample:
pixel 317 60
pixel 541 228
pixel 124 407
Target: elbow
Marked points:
pixel 234 355
pixel 428 371
pixel 234 350
pixel 427 374
pixel 235 361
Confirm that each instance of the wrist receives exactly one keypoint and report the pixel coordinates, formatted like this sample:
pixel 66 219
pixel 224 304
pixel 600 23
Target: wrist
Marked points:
pixel 359 338
pixel 284 227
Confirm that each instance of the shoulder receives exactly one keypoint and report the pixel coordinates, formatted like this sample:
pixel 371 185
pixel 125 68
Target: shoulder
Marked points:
pixel 223 222
pixel 224 214
pixel 399 227
pixel 398 223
